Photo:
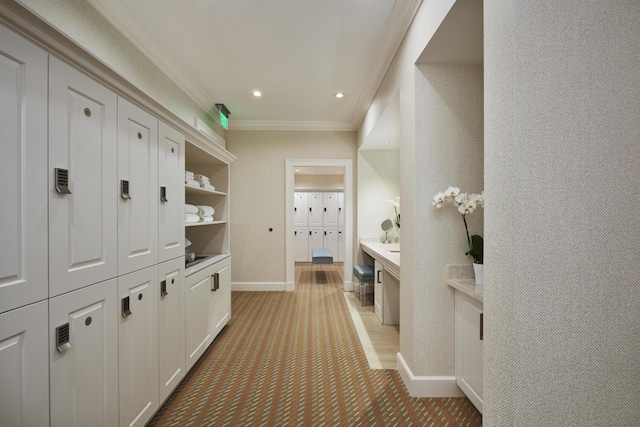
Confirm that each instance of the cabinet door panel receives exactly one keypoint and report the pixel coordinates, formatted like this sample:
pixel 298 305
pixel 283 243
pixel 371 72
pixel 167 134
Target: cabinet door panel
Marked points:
pixel 82 140
pixel 330 210
pixel 171 179
pixel 316 211
pixel 341 210
pixel 341 245
pixel 221 297
pixel 301 209
pixel 171 326
pixel 138 346
pixel 84 377
pixel 24 390
pixel 316 240
pixel 23 166
pixel 302 244
pixel 138 166
pixel 469 348
pixel 198 335
pixel 330 241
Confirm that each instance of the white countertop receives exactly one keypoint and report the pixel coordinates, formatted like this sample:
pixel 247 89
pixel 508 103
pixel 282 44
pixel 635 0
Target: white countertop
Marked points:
pixel 388 254
pixel 460 277
pixel 213 258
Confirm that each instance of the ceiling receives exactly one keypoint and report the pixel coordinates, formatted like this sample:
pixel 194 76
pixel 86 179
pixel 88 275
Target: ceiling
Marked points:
pixel 298 53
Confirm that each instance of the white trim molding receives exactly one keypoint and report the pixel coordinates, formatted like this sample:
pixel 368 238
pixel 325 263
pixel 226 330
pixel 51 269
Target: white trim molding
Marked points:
pixel 425 386
pixel 258 286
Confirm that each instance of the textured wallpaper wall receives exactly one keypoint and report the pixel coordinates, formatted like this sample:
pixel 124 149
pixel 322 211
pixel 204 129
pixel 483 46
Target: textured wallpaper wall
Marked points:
pixel 562 293
pixel 258 194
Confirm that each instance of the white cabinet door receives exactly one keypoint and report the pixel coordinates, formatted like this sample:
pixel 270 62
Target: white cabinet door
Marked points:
pixel 171 187
pixel 301 210
pixel 23 168
pixel 341 210
pixel 330 240
pixel 82 145
pixel 301 236
pixel 198 334
pixel 24 389
pixel 138 188
pixel 220 313
pixel 316 210
pixel 469 346
pixel 330 210
pixel 171 326
pixel 378 291
pixel 138 294
pixel 341 245
pixel 316 240
pixel 84 372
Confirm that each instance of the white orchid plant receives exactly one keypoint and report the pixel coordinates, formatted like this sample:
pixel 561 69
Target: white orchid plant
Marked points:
pixel 466 204
pixel 396 208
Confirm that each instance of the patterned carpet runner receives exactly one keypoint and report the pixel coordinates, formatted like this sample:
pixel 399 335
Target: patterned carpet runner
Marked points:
pixel 294 359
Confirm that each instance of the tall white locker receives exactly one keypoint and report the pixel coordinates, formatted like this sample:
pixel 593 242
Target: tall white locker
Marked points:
pixel 83 356
pixel 316 239
pixel 301 244
pixel 23 167
pixel 138 190
pixel 171 187
pixel 330 210
pixel 138 294
pixel 316 210
pixel 24 363
pixel 330 240
pixel 82 173
pixel 341 214
pixel 341 245
pixel 301 210
pixel 171 326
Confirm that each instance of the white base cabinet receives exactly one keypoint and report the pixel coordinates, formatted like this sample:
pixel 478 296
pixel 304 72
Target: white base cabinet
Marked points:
pixel 24 394
pixel 469 344
pixel 208 305
pixel 138 346
pixel 83 356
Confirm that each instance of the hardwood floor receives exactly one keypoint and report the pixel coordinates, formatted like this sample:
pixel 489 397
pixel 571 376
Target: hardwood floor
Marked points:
pixel 380 342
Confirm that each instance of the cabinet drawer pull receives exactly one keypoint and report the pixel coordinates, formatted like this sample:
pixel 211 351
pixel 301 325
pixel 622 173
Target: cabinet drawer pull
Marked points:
pixel 62 180
pixel 216 282
pixel 163 288
pixel 124 189
pixel 163 195
pixel 63 342
pixel 126 311
pixel 378 276
pixel 481 326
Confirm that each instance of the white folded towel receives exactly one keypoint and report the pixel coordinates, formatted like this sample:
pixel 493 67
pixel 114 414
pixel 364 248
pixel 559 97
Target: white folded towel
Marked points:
pixel 187 242
pixel 207 219
pixel 204 210
pixel 208 187
pixel 190 218
pixel 190 209
pixel 201 178
pixel 189 174
pixel 192 182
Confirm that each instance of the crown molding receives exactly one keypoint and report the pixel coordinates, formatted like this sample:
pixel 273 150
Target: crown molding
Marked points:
pixel 290 125
pixel 399 23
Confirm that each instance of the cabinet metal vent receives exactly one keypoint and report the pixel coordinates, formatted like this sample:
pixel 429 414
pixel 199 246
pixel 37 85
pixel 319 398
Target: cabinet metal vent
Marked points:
pixel 63 342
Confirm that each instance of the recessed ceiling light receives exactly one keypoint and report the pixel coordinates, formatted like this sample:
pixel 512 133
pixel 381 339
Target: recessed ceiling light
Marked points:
pixel 257 93
pixel 339 95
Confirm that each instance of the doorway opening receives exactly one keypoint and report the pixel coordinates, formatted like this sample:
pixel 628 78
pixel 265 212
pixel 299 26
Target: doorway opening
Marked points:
pixel 344 165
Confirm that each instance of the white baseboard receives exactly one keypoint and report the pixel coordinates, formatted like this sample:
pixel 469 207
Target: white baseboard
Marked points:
pixel 258 286
pixel 348 286
pixel 424 386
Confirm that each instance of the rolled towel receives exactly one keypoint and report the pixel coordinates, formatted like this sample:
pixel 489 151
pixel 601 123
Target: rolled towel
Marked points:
pixel 204 210
pixel 192 182
pixel 188 174
pixel 190 209
pixel 207 218
pixel 208 187
pixel 201 178
pixel 191 218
